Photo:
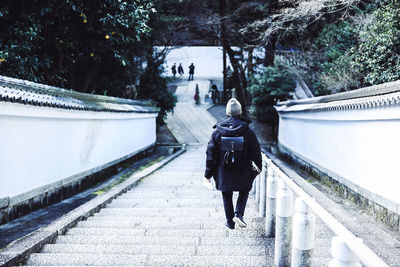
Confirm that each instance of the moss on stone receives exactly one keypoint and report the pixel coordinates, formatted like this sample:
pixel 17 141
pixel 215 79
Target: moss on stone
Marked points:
pixel 126 176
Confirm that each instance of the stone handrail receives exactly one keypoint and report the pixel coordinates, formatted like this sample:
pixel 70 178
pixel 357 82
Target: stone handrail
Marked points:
pixel 274 192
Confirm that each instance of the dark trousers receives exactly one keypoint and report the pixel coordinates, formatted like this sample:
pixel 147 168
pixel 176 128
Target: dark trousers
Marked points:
pixel 240 204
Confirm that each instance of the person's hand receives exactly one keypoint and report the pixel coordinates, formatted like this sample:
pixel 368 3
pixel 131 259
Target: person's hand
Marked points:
pixel 207 183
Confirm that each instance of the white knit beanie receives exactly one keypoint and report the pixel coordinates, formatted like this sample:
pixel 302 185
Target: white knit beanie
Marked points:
pixel 233 108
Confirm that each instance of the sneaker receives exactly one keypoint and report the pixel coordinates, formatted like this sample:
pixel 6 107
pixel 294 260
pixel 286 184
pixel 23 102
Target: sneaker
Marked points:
pixel 239 220
pixel 230 225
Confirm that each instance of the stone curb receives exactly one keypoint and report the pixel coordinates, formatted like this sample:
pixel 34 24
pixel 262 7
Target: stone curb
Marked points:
pixel 18 251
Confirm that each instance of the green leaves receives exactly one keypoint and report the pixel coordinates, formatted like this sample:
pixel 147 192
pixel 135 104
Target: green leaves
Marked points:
pixel 378 55
pixel 271 85
pixel 362 51
pixel 50 41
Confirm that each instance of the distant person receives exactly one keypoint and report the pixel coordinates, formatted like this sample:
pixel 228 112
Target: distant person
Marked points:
pixel 230 78
pixel 232 149
pixel 191 71
pixel 214 94
pixel 180 70
pixel 173 68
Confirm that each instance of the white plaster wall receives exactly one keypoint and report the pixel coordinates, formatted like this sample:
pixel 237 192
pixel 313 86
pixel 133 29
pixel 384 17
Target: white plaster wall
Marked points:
pixel 40 145
pixel 362 146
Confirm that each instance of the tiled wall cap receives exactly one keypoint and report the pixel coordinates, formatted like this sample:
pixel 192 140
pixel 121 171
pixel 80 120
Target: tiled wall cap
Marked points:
pixel 30 93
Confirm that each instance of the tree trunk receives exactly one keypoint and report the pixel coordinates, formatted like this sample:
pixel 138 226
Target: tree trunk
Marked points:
pixel 250 64
pixel 224 73
pixel 270 51
pixel 57 64
pixel 235 64
pixel 88 78
pixel 238 74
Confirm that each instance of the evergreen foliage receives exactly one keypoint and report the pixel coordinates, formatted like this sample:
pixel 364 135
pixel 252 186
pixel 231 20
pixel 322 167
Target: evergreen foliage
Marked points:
pixel 359 51
pixel 73 44
pixel 266 88
pixel 154 86
pixel 378 54
pixel 334 45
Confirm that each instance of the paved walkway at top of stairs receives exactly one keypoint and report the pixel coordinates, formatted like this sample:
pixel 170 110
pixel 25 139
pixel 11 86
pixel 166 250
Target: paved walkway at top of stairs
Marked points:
pixel 168 219
pixel 191 123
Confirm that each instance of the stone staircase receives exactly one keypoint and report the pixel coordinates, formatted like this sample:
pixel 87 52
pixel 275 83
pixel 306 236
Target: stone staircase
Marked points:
pixel 191 123
pixel 168 219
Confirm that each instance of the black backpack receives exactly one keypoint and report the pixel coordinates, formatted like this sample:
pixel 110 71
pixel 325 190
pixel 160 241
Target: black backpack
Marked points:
pixel 233 152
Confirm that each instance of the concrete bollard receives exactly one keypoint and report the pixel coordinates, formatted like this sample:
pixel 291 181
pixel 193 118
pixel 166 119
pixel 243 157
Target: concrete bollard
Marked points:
pixel 283 232
pixel 303 234
pixel 263 190
pixel 253 188
pixel 342 255
pixel 257 198
pixel 270 208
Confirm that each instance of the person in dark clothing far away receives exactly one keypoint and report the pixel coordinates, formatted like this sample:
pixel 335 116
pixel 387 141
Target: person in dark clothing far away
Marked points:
pixel 180 70
pixel 231 152
pixel 173 69
pixel 191 71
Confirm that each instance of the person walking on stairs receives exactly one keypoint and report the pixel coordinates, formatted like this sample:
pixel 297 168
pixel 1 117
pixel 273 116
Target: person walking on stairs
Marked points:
pixel 191 71
pixel 180 70
pixel 231 152
pixel 173 69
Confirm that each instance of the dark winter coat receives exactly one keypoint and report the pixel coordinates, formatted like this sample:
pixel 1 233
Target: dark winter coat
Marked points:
pixel 191 69
pixel 180 69
pixel 228 179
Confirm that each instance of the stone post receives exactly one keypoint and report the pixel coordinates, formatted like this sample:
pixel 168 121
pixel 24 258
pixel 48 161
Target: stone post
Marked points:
pixel 283 233
pixel 263 178
pixel 270 209
pixel 257 198
pixel 342 255
pixel 303 235
pixel 253 188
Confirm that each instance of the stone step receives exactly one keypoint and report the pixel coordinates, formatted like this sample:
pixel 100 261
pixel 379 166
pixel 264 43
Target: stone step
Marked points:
pixel 155 212
pixel 179 130
pixel 320 261
pixel 156 249
pixel 220 231
pixel 239 240
pixel 66 259
pixel 121 249
pixel 204 238
pixel 157 197
pixel 192 116
pixel 231 250
pixel 184 191
pixel 150 223
pixel 149 204
pixel 166 210
pixel 165 188
pixel 127 240
pixel 184 175
pixel 134 265
pixel 231 261
pixel 134 225
pixel 174 219
pixel 150 232
pixel 166 200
